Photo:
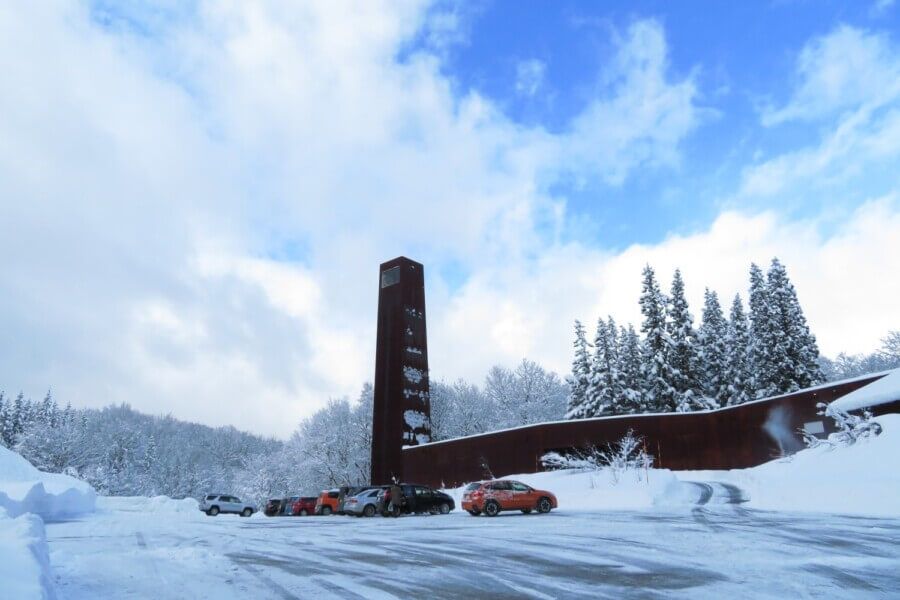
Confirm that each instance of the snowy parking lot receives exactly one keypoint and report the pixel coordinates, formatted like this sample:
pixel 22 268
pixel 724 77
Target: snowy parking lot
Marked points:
pixel 700 552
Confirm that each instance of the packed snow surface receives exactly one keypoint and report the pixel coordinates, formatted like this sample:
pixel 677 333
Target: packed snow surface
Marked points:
pixel 24 489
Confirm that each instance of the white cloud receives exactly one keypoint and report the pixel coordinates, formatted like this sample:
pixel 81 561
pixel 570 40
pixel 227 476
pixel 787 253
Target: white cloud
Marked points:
pixel 848 68
pixel 643 121
pixel 147 182
pixel 849 79
pixel 530 76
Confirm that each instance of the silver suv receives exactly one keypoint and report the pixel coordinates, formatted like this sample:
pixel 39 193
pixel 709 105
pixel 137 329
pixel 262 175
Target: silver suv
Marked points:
pixel 214 504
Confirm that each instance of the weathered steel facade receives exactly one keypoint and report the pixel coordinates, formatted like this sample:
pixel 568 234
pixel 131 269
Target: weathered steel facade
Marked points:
pixel 402 410
pixel 736 437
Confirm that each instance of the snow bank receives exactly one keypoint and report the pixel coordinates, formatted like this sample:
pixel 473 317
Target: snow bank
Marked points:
pixel 157 504
pixel 862 479
pixel 24 558
pixel 880 391
pixel 24 489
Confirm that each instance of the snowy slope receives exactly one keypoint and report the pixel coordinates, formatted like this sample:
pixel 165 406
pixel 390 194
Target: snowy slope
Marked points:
pixel 24 489
pixel 862 479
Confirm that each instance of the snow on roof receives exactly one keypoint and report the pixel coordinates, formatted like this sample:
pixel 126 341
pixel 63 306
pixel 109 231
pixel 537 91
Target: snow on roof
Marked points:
pixel 881 391
pixel 875 377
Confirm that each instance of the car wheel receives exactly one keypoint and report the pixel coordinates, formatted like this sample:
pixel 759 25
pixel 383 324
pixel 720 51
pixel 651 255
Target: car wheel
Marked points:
pixel 445 508
pixel 544 505
pixel 246 512
pixel 474 512
pixel 492 509
pixel 326 511
pixel 526 511
pixel 213 511
pixel 369 510
pixel 304 512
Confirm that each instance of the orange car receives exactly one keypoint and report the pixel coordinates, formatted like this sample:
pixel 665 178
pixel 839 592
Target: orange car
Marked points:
pixel 328 502
pixel 490 497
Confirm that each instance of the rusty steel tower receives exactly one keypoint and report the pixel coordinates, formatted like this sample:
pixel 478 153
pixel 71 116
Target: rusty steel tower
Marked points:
pixel 402 411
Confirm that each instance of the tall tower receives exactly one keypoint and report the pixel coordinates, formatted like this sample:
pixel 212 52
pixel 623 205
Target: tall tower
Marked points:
pixel 402 411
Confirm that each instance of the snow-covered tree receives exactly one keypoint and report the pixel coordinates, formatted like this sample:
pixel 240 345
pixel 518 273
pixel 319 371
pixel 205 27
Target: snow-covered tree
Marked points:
pixel 682 353
pixel 630 369
pixel 712 350
pixel 761 347
pixel 737 372
pixel 599 395
pixel 844 366
pixel 580 378
pixel 793 348
pixel 656 373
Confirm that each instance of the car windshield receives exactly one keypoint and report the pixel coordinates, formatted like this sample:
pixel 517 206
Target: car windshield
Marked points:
pixel 473 486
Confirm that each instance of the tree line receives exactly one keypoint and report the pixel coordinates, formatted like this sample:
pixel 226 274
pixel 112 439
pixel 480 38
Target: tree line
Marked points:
pixel 675 367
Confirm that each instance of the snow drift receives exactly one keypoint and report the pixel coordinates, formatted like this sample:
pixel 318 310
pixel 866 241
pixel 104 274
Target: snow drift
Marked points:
pixel 24 558
pixel 24 489
pixel 157 504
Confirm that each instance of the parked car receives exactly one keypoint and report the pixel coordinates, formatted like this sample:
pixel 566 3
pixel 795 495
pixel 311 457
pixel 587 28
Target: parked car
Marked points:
pixel 301 506
pixel 364 503
pixel 327 502
pixel 417 499
pixel 274 507
pixel 491 497
pixel 214 504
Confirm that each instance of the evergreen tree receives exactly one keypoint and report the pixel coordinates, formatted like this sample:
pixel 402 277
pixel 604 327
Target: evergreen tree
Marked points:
pixel 737 353
pixel 19 418
pixel 3 418
pixel 712 351
pixel 600 393
pixel 793 348
pixel 581 374
pixel 630 368
pixel 656 375
pixel 682 354
pixel 761 343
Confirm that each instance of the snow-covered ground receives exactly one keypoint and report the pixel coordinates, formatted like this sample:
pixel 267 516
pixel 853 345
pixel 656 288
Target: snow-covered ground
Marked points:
pixel 823 523
pixel 682 552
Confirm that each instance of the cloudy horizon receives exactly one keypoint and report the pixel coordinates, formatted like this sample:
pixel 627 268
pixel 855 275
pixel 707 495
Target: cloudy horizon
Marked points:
pixel 195 197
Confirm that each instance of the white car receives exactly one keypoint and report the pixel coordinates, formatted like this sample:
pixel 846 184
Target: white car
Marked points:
pixel 214 504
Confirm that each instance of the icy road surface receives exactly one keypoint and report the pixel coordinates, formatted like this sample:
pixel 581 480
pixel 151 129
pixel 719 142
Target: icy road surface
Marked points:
pixel 717 552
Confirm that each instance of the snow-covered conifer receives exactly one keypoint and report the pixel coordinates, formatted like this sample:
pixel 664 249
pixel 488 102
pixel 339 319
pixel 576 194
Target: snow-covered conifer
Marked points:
pixel 794 349
pixel 581 374
pixel 761 342
pixel 656 375
pixel 737 355
pixel 712 352
pixel 682 354
pixel 630 369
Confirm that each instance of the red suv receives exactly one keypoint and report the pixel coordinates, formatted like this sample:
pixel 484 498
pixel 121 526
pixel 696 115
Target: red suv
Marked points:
pixel 490 497
pixel 302 506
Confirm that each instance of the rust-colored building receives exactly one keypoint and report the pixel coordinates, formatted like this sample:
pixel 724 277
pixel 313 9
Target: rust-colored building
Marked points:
pixel 728 438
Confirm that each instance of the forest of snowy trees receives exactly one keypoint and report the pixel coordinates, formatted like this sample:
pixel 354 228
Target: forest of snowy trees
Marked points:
pixel 675 367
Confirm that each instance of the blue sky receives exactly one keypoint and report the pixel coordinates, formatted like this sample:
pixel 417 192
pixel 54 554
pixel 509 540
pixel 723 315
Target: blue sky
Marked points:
pixel 195 197
pixel 741 54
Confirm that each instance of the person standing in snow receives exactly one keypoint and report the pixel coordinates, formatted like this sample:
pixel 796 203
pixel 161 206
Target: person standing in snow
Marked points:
pixel 396 502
